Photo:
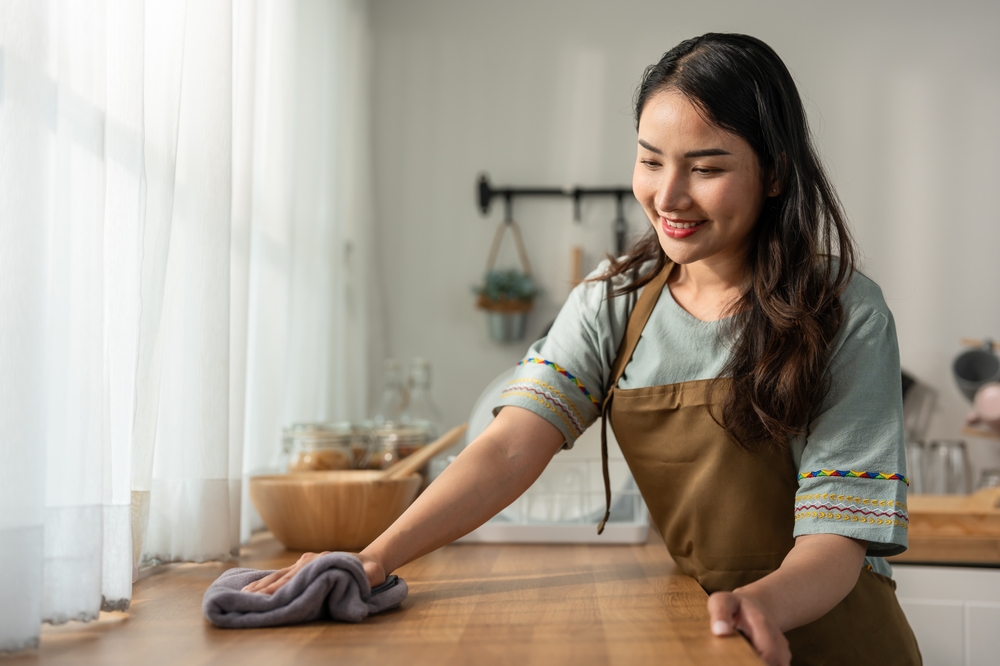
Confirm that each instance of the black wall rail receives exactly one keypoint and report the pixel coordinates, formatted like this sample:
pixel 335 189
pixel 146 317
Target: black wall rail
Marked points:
pixel 487 192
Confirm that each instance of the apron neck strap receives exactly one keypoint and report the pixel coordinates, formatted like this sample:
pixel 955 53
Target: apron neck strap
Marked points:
pixel 633 331
pixel 637 322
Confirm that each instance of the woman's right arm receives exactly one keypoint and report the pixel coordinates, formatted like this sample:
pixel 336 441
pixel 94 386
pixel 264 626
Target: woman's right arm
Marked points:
pixel 490 473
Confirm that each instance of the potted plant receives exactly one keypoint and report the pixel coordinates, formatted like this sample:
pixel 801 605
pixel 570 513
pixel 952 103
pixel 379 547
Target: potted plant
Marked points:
pixel 507 297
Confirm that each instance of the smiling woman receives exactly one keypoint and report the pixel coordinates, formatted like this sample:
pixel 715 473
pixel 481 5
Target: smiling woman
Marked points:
pixel 726 172
pixel 743 364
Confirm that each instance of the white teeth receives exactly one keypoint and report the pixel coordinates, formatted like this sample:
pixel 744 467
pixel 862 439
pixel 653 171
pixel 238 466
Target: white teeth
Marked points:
pixel 682 225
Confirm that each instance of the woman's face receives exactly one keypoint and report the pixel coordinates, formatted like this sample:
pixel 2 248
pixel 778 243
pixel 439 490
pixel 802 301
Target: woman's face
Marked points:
pixel 700 186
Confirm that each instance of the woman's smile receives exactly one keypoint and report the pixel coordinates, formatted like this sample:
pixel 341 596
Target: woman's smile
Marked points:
pixel 676 228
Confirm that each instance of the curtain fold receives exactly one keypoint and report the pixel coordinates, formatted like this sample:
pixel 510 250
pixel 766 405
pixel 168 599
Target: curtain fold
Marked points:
pixel 309 246
pixel 184 322
pixel 183 220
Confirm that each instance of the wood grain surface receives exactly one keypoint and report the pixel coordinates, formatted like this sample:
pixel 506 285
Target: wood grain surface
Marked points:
pixel 954 529
pixel 468 604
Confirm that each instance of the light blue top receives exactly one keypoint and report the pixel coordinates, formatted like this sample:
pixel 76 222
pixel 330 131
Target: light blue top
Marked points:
pixel 852 464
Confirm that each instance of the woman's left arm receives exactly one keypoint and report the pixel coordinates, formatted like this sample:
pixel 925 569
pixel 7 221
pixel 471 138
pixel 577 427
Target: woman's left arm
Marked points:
pixel 818 572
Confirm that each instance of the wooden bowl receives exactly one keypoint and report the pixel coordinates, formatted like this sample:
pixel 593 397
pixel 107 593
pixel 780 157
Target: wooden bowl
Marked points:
pixel 331 510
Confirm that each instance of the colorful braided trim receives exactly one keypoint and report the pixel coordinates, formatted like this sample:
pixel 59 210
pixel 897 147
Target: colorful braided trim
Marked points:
pixel 562 371
pixel 869 567
pixel 552 397
pixel 882 476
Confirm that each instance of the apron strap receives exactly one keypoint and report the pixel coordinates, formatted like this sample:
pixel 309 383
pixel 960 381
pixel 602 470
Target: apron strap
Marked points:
pixel 633 331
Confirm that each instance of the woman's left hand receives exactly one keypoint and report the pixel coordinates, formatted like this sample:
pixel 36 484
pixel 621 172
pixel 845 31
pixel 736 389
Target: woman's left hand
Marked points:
pixel 729 612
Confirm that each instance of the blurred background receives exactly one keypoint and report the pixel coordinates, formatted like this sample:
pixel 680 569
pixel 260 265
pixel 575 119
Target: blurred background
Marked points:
pixel 903 101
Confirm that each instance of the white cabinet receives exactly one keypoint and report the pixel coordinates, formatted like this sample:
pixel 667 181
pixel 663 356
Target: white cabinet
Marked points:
pixel 954 612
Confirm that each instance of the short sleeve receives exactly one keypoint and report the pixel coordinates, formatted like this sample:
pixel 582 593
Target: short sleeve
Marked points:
pixel 852 464
pixel 563 376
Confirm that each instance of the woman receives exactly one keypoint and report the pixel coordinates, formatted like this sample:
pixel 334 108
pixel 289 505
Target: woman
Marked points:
pixel 751 377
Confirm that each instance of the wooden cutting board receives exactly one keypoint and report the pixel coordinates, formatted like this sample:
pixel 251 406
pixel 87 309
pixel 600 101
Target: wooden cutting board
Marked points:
pixel 954 529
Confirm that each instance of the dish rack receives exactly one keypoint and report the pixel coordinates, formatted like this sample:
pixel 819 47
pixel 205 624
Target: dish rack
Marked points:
pixel 567 502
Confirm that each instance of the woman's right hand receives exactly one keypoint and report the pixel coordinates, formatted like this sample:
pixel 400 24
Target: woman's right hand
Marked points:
pixel 373 568
pixel 274 581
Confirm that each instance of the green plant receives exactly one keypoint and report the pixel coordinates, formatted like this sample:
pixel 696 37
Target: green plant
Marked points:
pixel 505 286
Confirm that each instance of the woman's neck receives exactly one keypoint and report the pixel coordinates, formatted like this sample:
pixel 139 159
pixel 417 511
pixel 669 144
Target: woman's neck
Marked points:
pixel 707 289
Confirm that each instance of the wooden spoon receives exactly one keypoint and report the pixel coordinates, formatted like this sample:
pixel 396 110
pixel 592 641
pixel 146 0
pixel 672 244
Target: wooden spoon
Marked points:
pixel 421 457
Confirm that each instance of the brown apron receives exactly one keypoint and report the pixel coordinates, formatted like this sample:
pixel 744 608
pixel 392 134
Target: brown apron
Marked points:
pixel 726 515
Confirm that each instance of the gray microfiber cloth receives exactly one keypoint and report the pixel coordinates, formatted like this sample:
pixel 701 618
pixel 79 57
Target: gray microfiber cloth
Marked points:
pixel 331 587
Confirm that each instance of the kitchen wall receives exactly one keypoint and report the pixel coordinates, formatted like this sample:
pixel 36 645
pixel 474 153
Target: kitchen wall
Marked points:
pixel 904 101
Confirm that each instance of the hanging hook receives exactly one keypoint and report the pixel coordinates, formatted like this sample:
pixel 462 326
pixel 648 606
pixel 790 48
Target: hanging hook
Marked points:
pixel 485 193
pixel 620 224
pixel 577 196
pixel 508 207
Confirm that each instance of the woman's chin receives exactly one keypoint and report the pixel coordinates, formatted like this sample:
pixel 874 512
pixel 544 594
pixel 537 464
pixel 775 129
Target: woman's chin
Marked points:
pixel 679 253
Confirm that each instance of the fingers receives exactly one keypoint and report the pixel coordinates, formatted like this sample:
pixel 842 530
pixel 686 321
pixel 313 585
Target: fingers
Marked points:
pixel 259 585
pixel 771 644
pixel 730 612
pixel 272 582
pixel 277 584
pixel 723 608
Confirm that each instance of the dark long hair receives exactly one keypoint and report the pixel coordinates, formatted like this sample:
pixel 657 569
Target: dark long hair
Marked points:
pixel 782 327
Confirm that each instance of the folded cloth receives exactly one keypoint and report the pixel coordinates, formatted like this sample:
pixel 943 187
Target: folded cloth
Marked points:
pixel 333 586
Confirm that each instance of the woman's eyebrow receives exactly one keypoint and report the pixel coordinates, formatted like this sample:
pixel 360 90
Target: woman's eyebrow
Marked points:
pixel 650 147
pixel 704 152
pixel 707 152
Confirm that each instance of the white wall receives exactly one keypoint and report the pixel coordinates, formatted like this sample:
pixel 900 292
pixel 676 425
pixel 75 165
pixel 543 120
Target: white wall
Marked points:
pixel 904 100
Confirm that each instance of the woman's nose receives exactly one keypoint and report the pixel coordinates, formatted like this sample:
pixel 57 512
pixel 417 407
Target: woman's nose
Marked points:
pixel 672 193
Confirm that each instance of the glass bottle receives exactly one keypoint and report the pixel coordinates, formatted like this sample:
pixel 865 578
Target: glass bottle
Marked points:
pixel 420 411
pixel 390 407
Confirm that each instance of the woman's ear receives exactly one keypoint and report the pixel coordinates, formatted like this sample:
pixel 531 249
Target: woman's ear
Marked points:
pixel 773 188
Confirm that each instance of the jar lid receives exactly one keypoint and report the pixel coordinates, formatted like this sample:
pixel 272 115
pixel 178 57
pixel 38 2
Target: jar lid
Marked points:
pixel 318 435
pixel 414 436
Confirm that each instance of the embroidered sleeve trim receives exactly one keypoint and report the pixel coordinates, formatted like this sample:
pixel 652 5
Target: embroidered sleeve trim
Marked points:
pixel 882 476
pixel 833 497
pixel 552 397
pixel 853 518
pixel 856 510
pixel 562 371
pixel 847 507
pixel 546 396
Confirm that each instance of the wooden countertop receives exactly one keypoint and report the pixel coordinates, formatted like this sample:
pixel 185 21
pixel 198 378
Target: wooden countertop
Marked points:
pixel 954 529
pixel 468 604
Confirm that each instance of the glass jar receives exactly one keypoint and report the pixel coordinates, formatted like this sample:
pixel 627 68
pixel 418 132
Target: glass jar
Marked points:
pixel 325 446
pixel 392 444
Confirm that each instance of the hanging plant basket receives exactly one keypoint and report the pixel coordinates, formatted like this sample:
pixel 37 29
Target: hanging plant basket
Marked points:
pixel 507 296
pixel 505 305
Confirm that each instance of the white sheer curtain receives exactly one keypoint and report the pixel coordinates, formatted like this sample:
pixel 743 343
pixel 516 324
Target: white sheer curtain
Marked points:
pixel 183 206
pixel 307 196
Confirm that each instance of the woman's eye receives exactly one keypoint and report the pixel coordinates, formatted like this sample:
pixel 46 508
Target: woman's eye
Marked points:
pixel 706 171
pixel 650 163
